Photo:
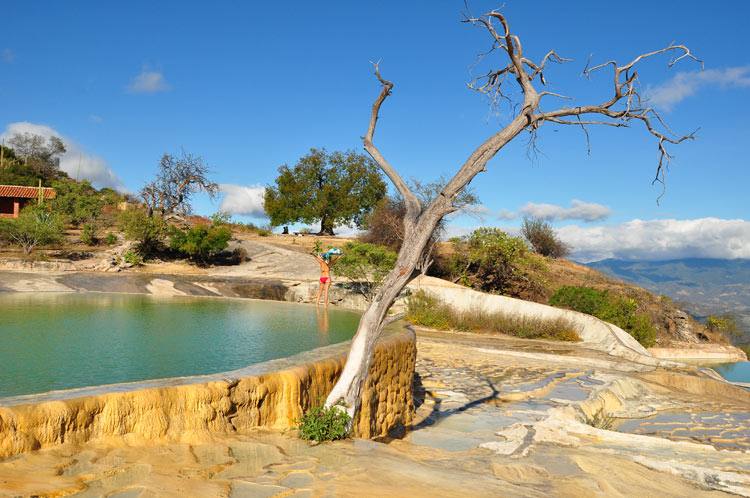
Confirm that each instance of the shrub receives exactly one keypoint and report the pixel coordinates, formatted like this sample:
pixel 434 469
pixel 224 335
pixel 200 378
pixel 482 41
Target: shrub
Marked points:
pixel 148 231
pixel 543 238
pixel 488 259
pixel 79 202
pixel 620 311
pixel 324 424
pixel 88 234
pixel 132 258
pixel 200 242
pixel 385 224
pixel 725 324
pixel 110 239
pixel 425 310
pixel 366 264
pixel 34 226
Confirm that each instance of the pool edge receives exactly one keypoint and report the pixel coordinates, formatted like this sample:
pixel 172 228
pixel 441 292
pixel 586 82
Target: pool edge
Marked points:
pixel 272 394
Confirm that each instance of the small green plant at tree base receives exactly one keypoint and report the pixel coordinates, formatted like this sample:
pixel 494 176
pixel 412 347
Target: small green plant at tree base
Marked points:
pixel 88 234
pixel 621 311
pixel 324 424
pixel 110 239
pixel 132 258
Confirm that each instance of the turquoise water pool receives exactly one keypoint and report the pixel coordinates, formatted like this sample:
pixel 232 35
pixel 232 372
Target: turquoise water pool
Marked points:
pixel 736 372
pixel 62 341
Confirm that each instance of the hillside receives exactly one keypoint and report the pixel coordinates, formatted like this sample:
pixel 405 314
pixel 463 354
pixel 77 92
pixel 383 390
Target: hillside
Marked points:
pixel 701 286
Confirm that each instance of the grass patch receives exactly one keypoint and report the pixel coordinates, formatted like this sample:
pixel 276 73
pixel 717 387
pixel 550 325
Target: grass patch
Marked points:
pixel 324 424
pixel 601 420
pixel 430 312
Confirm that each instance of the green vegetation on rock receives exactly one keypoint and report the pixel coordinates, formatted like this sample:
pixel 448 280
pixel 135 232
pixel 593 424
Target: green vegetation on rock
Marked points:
pixel 324 424
pixel 620 311
pixel 490 260
pixel 200 242
pixel 425 310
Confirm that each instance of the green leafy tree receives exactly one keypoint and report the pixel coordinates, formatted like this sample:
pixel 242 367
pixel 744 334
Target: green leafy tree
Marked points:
pixel 148 231
pixel 79 202
pixel 200 242
pixel 330 188
pixel 366 265
pixel 34 226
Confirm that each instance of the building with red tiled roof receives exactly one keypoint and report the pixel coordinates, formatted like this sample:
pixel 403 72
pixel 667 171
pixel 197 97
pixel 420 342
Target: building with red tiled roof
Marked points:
pixel 13 198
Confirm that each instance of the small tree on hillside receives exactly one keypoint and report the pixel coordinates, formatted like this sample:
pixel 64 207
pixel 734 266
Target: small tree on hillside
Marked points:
pixel 40 155
pixel 518 72
pixel 330 188
pixel 543 238
pixel 178 180
pixel 35 226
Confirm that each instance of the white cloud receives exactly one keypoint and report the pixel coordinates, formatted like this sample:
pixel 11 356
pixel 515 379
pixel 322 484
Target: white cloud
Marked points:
pixel 660 239
pixel 76 162
pixel 7 55
pixel 686 84
pixel 243 200
pixel 148 82
pixel 506 214
pixel 578 210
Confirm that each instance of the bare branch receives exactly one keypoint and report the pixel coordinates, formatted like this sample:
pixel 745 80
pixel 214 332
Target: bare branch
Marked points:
pixel 413 206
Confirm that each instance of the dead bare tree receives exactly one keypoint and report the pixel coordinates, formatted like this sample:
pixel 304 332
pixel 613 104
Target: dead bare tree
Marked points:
pixel 179 178
pixel 624 107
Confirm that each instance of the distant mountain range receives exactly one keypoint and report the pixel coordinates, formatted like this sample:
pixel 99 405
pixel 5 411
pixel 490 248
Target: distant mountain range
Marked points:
pixel 702 286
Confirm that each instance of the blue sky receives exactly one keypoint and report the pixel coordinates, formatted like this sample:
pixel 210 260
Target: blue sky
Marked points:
pixel 250 86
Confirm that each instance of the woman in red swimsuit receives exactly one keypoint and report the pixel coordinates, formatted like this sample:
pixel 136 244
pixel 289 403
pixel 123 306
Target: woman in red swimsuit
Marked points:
pixel 325 277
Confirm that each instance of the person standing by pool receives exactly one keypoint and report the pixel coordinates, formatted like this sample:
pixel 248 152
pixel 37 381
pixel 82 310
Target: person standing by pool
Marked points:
pixel 326 261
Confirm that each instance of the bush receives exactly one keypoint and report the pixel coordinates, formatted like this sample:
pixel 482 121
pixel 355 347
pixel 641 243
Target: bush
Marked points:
pixel 148 231
pixel 324 424
pixel 201 242
pixel 543 238
pixel 425 310
pixel 385 224
pixel 365 264
pixel 490 260
pixel 132 258
pixel 110 239
pixel 88 234
pixel 34 226
pixel 77 201
pixel 725 325
pixel 620 311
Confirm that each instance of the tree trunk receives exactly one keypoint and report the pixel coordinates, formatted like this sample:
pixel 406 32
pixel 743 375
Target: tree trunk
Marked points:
pixel 326 226
pixel 349 386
